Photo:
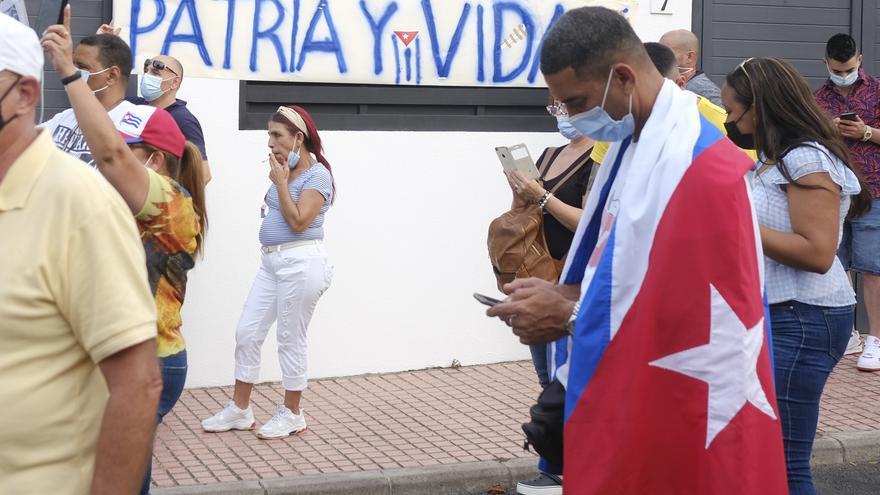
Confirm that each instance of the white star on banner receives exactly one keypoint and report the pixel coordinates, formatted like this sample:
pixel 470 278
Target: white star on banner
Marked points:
pixel 728 364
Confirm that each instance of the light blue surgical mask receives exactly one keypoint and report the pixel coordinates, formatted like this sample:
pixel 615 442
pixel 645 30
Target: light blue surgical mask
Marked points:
pixel 151 86
pixel 598 125
pixel 86 74
pixel 293 158
pixel 844 81
pixel 566 129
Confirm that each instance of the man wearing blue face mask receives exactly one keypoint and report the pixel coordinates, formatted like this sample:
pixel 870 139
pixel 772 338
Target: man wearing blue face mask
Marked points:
pixel 104 62
pixel 159 85
pixel 656 325
pixel 851 98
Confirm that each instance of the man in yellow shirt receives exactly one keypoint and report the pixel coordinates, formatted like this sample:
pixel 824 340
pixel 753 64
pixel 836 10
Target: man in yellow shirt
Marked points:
pixel 664 60
pixel 79 379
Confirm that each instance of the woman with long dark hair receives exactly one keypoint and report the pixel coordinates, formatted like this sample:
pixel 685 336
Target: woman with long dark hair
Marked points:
pixel 803 190
pixel 293 275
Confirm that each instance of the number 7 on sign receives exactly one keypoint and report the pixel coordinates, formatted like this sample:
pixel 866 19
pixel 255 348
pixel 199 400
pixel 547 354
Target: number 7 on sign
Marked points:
pixel 661 7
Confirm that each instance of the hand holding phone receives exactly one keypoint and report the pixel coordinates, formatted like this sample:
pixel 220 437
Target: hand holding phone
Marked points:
pixel 488 301
pixel 850 116
pixel 51 13
pixel 517 157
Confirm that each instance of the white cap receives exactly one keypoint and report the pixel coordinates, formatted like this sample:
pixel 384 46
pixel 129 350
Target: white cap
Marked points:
pixel 20 50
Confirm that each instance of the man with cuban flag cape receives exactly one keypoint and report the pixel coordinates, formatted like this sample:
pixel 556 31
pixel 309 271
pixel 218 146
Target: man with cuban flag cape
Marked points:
pixel 661 338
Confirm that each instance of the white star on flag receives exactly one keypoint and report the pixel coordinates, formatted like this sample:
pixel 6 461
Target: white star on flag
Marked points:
pixel 405 36
pixel 728 364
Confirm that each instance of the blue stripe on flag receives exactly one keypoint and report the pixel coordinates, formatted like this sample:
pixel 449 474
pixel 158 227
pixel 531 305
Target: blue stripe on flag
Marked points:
pixel 592 331
pixel 585 249
pixel 709 135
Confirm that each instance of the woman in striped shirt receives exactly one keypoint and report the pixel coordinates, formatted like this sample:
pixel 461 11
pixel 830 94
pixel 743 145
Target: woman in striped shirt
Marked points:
pixel 293 274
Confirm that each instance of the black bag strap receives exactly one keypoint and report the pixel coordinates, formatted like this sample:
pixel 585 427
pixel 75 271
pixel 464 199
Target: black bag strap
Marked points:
pixel 547 158
pixel 578 165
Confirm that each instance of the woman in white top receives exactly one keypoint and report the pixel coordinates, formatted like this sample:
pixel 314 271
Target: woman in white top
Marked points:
pixel 802 191
pixel 293 275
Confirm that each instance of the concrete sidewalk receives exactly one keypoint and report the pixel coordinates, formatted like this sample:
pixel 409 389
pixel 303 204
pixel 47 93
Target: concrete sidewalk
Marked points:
pixel 384 433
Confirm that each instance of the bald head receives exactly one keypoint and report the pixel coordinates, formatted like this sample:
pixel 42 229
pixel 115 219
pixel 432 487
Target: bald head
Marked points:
pixel 685 45
pixel 171 62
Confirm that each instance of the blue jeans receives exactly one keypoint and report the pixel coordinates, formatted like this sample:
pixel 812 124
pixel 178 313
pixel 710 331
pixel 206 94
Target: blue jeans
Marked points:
pixel 808 341
pixel 539 359
pixel 173 378
pixel 860 242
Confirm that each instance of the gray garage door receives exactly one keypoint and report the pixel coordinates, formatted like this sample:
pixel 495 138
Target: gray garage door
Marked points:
pixel 796 30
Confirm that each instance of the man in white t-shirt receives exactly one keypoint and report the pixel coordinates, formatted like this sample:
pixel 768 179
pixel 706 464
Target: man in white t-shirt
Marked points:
pixel 105 62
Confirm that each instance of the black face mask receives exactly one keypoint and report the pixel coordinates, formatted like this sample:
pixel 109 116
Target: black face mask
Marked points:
pixel 744 141
pixel 4 122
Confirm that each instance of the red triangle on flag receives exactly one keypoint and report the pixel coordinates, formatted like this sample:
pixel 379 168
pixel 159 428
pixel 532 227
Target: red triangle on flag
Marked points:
pixel 406 36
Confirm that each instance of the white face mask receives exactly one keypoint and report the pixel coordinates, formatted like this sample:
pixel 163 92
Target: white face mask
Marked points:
pixel 598 125
pixel 86 74
pixel 151 86
pixel 844 81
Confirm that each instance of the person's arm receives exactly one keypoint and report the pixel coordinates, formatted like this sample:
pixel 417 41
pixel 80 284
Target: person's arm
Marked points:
pixel 192 130
pixel 856 129
pixel 207 170
pixel 537 310
pixel 531 190
pixel 297 215
pixel 126 436
pixel 814 212
pixel 113 157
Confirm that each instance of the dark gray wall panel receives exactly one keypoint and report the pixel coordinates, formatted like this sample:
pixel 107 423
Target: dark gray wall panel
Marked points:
pixel 86 17
pixel 796 30
pixel 396 108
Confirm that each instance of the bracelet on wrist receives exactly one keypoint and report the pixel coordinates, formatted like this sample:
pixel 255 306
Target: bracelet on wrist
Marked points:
pixel 69 79
pixel 545 199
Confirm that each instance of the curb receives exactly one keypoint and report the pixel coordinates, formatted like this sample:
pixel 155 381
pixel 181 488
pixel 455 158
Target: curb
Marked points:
pixel 478 478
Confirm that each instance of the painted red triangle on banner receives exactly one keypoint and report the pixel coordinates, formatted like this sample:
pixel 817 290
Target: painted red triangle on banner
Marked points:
pixel 406 36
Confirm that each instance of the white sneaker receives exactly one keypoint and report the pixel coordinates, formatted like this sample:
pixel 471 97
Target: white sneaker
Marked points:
pixel 230 418
pixel 282 424
pixel 870 358
pixel 855 343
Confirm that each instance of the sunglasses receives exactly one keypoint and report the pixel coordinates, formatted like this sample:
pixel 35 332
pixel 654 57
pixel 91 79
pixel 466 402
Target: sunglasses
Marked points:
pixel 158 65
pixel 557 109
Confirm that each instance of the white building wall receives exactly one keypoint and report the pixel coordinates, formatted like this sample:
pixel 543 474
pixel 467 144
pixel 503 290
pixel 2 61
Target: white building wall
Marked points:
pixel 407 237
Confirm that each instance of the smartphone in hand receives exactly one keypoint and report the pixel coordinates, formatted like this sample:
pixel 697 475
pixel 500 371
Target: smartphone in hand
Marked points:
pixel 488 301
pixel 851 116
pixel 51 13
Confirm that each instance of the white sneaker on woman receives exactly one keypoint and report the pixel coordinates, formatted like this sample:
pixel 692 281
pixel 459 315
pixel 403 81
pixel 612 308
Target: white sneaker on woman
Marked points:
pixel 855 343
pixel 282 424
pixel 230 418
pixel 870 358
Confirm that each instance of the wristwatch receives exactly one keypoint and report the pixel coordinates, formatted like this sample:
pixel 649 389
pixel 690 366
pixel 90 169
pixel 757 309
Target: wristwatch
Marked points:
pixel 569 326
pixel 868 133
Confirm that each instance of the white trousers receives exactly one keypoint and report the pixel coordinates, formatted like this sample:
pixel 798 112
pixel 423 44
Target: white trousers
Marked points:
pixel 287 288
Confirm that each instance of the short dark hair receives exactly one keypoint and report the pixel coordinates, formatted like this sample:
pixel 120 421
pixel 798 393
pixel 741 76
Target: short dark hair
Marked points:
pixel 587 39
pixel 112 50
pixel 663 58
pixel 841 47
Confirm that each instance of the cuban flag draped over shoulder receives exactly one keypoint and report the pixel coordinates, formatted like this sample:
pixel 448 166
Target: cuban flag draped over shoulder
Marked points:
pixel 668 375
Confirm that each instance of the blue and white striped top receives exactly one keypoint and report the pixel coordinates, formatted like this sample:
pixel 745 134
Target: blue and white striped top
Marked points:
pixel 274 230
pixel 786 283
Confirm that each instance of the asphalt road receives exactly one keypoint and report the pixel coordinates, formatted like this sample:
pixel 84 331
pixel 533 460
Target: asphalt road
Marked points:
pixel 848 479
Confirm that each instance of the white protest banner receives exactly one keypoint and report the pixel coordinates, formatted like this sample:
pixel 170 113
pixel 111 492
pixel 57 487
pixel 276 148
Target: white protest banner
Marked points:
pixel 15 9
pixel 428 42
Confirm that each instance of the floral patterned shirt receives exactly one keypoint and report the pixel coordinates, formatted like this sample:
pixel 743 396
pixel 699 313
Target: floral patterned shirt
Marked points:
pixel 864 100
pixel 169 227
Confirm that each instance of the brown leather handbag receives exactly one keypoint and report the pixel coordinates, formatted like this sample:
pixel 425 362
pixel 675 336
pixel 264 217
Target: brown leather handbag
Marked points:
pixel 517 247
